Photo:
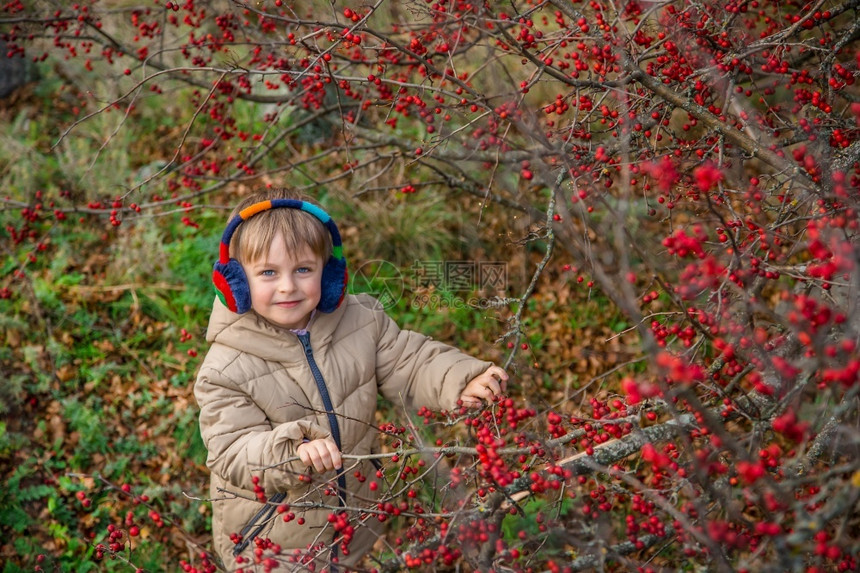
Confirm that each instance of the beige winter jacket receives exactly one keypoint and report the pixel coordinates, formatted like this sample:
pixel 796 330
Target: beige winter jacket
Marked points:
pixel 259 399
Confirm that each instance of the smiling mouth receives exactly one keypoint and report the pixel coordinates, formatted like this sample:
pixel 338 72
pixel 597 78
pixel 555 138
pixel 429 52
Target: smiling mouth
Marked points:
pixel 288 303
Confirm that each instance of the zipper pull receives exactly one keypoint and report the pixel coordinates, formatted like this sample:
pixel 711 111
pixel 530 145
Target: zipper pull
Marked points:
pixel 305 339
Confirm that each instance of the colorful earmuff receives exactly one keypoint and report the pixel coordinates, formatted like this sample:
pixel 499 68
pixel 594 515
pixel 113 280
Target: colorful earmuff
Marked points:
pixel 229 277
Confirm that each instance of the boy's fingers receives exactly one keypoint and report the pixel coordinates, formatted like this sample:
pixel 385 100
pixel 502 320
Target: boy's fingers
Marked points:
pixel 314 460
pixel 484 392
pixel 500 376
pixel 330 456
pixel 321 457
pixel 303 455
pixel 334 456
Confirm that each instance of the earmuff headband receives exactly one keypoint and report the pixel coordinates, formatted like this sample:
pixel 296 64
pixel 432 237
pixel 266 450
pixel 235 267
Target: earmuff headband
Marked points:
pixel 250 211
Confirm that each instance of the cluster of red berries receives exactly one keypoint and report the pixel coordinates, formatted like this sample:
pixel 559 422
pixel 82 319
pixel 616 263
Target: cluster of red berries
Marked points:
pixel 206 565
pixel 117 538
pixel 344 529
pixel 86 502
pixel 259 490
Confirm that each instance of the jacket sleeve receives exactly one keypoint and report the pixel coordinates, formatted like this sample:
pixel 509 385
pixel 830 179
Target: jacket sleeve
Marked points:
pixel 241 440
pixel 418 370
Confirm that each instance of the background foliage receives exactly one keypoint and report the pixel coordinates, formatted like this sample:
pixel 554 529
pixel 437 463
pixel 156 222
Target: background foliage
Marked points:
pixel 672 189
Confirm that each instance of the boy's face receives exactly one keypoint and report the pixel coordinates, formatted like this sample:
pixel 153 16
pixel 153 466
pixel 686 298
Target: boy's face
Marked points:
pixel 285 286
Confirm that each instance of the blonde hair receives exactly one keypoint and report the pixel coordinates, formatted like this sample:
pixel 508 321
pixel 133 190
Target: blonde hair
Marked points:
pixel 299 229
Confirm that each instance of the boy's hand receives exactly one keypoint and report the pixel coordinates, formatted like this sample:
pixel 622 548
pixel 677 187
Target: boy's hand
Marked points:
pixel 491 382
pixel 322 455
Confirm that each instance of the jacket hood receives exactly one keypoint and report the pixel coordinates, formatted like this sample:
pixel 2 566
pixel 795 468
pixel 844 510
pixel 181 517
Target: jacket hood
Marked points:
pixel 249 332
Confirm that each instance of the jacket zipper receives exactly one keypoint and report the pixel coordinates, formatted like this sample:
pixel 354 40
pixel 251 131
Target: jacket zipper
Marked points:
pixel 305 339
pixel 262 516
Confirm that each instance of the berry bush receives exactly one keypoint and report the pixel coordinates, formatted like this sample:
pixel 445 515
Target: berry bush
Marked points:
pixel 675 183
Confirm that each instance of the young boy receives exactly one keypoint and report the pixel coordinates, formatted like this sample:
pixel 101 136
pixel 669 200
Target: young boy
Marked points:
pixel 293 371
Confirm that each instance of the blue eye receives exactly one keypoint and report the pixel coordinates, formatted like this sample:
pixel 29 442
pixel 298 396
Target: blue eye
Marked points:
pixel 267 273
pixel 303 270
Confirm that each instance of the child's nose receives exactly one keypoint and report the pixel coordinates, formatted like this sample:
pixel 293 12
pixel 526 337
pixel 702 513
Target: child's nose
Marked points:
pixel 286 284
